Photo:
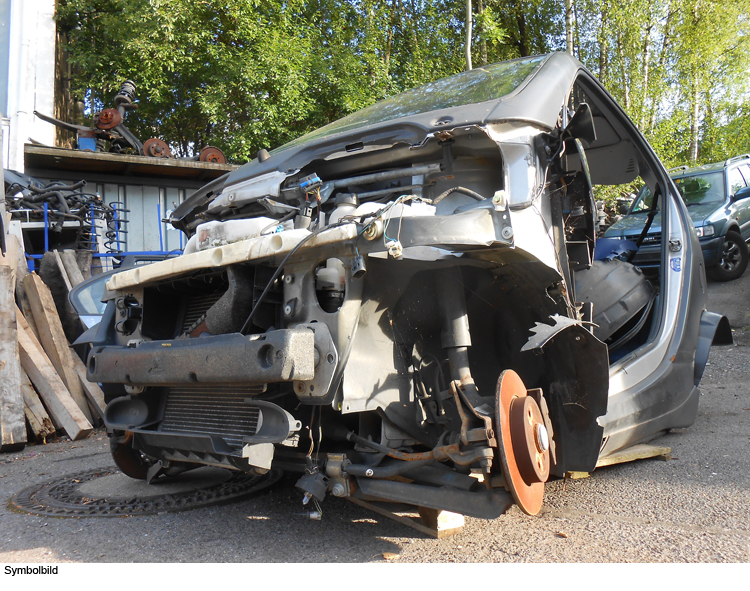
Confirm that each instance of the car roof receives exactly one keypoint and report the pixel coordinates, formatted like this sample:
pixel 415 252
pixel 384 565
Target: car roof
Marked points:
pixel 681 171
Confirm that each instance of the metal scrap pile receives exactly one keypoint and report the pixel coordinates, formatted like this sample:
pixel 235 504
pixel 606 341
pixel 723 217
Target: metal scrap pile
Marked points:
pixel 26 198
pixel 110 134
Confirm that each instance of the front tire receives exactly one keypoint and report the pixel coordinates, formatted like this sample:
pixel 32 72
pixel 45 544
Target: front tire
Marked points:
pixel 734 257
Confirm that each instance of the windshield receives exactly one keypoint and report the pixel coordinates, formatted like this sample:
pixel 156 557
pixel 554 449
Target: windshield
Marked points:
pixel 475 86
pixel 643 201
pixel 702 188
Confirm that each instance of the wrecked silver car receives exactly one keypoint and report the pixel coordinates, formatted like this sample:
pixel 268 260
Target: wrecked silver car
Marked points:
pixel 408 304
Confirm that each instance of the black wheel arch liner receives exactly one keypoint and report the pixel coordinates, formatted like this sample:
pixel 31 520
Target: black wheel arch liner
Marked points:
pixel 714 330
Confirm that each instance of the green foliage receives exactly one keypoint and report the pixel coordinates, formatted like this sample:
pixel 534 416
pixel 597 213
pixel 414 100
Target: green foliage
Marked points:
pixel 245 74
pixel 249 74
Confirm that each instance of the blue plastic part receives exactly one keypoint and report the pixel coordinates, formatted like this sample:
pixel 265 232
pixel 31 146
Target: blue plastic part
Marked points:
pixel 611 248
pixel 46 227
pixel 87 144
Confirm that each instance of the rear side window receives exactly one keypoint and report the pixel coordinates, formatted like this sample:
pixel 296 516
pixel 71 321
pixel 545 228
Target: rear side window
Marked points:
pixel 745 170
pixel 736 182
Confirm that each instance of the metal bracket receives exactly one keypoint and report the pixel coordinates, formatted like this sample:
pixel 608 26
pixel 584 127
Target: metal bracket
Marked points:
pixel 326 361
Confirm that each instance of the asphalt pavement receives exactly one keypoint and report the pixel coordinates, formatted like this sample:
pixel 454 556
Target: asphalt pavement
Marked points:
pixel 693 508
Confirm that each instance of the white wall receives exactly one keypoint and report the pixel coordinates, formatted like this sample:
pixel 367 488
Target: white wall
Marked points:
pixel 31 78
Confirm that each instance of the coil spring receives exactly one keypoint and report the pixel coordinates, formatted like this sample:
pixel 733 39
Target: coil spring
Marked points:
pixel 114 239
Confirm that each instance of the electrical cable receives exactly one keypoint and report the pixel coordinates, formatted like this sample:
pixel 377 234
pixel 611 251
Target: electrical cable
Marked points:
pixel 280 268
pixel 277 223
pixel 464 190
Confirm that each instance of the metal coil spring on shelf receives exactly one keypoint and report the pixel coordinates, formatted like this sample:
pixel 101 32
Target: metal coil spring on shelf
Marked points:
pixel 114 236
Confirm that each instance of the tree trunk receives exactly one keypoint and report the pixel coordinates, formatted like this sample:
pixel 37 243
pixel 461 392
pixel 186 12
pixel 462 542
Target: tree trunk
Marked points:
pixel 624 74
pixel 660 71
pixel 603 43
pixel 468 34
pixel 569 26
pixel 694 121
pixel 523 45
pixel 645 63
pixel 389 38
pixel 483 42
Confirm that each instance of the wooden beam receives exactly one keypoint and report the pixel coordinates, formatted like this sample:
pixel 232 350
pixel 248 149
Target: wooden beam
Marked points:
pixel 22 299
pixel 92 391
pixel 53 339
pixel 637 452
pixel 12 424
pixel 40 422
pixel 62 408
pixel 71 267
pixel 63 271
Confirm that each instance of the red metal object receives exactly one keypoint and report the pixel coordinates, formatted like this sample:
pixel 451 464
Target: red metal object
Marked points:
pixel 212 154
pixel 156 148
pixel 107 119
pixel 523 457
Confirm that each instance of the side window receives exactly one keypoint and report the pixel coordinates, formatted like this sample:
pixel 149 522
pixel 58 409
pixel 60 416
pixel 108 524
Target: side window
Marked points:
pixel 745 170
pixel 736 182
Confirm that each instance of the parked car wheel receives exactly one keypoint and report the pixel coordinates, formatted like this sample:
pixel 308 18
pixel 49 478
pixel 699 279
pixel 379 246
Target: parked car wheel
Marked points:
pixel 733 259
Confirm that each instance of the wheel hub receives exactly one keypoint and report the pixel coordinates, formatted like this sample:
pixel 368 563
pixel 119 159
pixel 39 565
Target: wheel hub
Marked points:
pixel 523 442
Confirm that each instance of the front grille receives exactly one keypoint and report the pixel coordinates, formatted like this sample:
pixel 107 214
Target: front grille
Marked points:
pixel 652 238
pixel 213 410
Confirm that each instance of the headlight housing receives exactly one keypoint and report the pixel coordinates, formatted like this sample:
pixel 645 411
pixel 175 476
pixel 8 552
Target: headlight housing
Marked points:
pixel 705 231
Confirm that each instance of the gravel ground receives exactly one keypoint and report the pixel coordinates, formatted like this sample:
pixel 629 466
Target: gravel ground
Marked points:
pixel 694 508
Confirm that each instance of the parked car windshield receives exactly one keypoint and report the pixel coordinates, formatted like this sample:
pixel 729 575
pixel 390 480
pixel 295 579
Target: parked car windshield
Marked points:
pixel 475 86
pixel 643 201
pixel 702 188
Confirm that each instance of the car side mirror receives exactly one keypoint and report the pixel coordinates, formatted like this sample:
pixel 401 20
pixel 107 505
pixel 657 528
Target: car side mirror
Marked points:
pixel 743 193
pixel 581 126
pixel 622 209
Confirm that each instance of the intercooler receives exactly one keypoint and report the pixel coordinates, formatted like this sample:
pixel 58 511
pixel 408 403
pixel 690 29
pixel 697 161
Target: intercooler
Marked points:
pixel 223 411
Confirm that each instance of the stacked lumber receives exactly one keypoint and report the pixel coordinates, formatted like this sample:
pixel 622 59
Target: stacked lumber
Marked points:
pixel 43 386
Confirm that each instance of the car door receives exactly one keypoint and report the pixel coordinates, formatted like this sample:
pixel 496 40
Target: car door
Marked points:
pixel 743 205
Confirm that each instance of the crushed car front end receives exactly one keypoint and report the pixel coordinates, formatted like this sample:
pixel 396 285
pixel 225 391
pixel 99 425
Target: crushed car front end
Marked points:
pixel 389 307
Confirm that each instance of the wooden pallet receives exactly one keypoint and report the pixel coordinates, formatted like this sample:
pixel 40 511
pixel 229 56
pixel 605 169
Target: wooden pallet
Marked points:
pixel 631 454
pixel 432 522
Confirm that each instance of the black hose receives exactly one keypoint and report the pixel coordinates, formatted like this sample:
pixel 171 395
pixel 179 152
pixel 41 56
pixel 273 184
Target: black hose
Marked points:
pixel 58 187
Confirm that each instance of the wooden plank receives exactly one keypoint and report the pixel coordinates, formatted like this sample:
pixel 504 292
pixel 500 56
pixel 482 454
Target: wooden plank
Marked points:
pixel 10 258
pixel 71 267
pixel 53 339
pixel 60 404
pixel 637 452
pixel 438 524
pixel 93 392
pixel 63 271
pixel 40 422
pixel 22 299
pixel 24 326
pixel 12 424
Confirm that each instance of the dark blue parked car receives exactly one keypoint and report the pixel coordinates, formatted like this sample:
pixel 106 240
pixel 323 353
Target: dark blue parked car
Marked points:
pixel 718 201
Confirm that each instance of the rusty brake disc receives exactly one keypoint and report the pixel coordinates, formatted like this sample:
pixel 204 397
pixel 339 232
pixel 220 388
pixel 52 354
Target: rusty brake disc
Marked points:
pixel 212 154
pixel 156 148
pixel 108 119
pixel 523 442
